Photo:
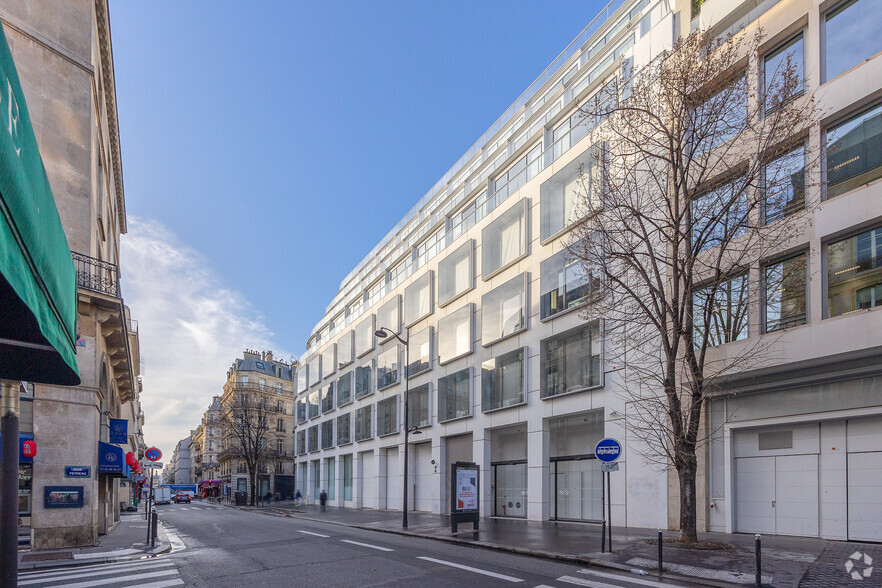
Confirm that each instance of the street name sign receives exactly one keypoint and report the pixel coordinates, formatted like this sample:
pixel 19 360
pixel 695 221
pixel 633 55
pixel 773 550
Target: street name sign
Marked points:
pixel 77 471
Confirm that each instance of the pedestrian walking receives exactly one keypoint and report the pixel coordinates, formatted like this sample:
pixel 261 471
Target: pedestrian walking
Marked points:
pixel 323 499
pixel 298 498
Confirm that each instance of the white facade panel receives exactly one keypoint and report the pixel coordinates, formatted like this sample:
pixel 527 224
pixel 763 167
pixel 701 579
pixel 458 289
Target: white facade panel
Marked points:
pixel 865 496
pixel 423 473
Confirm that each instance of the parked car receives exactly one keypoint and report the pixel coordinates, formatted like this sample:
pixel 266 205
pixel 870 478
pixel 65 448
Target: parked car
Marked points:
pixel 182 497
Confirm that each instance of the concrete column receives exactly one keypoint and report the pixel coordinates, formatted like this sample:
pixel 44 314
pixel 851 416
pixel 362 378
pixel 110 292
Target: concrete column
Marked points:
pixel 481 456
pixel 539 494
pixel 380 461
pixel 357 480
pixel 338 481
pixel 441 502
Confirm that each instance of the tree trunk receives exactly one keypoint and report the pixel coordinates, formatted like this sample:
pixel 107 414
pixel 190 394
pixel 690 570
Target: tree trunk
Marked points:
pixel 688 501
pixel 253 488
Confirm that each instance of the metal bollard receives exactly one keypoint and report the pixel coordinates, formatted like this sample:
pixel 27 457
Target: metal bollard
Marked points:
pixel 603 538
pixel 759 559
pixel 660 558
pixel 155 522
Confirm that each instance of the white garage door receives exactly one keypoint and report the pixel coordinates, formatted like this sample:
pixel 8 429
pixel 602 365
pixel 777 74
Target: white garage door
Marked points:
pixel 777 495
pixel 369 480
pixel 422 477
pixel 394 483
pixel 865 496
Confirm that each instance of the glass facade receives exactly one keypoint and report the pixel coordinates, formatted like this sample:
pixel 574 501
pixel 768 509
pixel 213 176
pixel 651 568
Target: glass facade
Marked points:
pixel 387 367
pixel 504 240
pixel 329 360
pixel 726 307
pixel 503 310
pixel 454 396
pixel 455 334
pixel 328 398
pixel 344 429
pixel 364 383
pixel 387 416
pixel 418 403
pixel 784 185
pixel 344 349
pixel 364 336
pixel 300 407
pixel 854 152
pixel 312 435
pixel 418 299
pixel 785 61
pixel 344 389
pixel 313 399
pixel 570 362
pixel 328 434
pixel 301 442
pixel 456 273
pixel 570 194
pixel 420 350
pixel 389 317
pixel 785 294
pixel 502 381
pixel 852 34
pixel 854 273
pixel 364 422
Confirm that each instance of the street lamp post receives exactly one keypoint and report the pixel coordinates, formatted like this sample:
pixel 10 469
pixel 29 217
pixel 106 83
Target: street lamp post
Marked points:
pixel 382 333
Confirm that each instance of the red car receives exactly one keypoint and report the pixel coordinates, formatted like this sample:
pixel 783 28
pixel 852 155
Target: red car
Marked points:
pixel 182 497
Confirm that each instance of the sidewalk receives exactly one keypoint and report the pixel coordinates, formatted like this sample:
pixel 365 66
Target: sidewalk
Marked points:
pixel 787 562
pixel 126 541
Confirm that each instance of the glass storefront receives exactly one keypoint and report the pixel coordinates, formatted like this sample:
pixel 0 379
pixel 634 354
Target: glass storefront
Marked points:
pixel 577 486
pixel 510 489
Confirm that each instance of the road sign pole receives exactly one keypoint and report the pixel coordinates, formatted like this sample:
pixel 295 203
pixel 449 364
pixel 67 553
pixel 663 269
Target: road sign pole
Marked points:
pixel 609 510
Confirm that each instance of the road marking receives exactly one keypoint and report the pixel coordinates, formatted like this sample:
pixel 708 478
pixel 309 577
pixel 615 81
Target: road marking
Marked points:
pixel 117 579
pixel 114 553
pixel 581 582
pixel 316 534
pixel 162 584
pixel 634 579
pixel 470 569
pixel 25 578
pixel 367 545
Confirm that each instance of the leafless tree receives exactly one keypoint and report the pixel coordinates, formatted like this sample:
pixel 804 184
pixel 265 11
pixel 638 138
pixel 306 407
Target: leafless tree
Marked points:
pixel 704 174
pixel 247 433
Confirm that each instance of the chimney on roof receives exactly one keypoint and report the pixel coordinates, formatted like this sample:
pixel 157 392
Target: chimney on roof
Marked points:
pixel 249 353
pixel 268 356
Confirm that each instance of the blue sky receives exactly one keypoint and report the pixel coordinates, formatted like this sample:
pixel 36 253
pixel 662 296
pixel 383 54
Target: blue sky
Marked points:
pixel 268 146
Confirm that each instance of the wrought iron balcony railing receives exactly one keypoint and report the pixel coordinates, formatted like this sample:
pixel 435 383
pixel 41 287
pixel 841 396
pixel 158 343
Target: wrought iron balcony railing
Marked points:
pixel 96 275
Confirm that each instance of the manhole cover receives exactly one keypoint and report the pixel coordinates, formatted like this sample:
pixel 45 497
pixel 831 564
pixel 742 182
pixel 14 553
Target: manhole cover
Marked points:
pixel 47 556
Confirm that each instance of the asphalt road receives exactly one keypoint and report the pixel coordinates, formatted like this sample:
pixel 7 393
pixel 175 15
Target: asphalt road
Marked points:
pixel 216 546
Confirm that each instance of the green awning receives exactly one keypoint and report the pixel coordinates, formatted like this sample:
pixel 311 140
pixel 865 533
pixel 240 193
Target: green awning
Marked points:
pixel 38 286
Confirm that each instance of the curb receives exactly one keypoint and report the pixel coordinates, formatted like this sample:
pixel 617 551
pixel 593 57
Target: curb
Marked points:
pixel 562 557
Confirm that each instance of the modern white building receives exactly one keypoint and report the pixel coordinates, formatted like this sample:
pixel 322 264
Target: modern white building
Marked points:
pixel 505 373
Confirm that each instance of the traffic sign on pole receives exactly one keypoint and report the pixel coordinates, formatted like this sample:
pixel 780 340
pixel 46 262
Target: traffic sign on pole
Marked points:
pixel 153 454
pixel 608 450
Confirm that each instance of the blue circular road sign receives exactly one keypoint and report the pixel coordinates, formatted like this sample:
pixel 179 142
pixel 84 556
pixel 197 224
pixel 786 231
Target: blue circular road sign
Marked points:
pixel 608 450
pixel 153 454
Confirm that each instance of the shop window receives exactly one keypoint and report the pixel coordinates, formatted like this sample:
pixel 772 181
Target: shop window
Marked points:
pixel 502 381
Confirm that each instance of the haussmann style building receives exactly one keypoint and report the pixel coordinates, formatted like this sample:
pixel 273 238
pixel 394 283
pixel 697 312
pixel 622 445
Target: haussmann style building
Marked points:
pixel 505 373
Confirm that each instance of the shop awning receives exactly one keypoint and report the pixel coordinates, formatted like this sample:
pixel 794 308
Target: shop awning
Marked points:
pixel 37 279
pixel 110 459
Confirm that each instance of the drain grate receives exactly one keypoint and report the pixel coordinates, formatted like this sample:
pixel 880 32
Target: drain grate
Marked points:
pixel 47 556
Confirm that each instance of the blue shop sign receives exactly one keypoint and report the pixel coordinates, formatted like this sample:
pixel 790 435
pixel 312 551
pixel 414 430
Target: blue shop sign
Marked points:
pixel 119 431
pixel 77 471
pixel 110 459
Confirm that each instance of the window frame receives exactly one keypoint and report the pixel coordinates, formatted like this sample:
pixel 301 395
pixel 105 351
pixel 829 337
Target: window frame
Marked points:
pixel 470 401
pixel 369 366
pixel 842 121
pixel 471 325
pixel 592 327
pixel 491 369
pixel 416 287
pixel 359 412
pixel 520 208
pixel 412 341
pixel 348 417
pixel 342 359
pixel 328 371
pixel 351 376
pixel 804 254
pixel 331 424
pixel 396 302
pixel 410 404
pixel 382 404
pixel 449 263
pixel 369 320
pixel 523 279
pixel 772 53
pixel 396 350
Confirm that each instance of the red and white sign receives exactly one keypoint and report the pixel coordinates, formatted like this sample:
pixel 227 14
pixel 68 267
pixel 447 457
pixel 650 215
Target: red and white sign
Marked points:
pixel 153 454
pixel 29 448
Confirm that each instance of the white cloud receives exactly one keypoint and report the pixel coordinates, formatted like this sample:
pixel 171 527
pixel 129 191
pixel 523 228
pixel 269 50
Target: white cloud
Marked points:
pixel 191 328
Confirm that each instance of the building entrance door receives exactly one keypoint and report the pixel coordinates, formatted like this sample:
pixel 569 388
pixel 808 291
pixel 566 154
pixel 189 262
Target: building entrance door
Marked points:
pixel 510 489
pixel 577 486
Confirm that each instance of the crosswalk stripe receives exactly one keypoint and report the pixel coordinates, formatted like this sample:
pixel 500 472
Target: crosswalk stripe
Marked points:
pixel 24 577
pixel 316 534
pixel 582 582
pixel 471 569
pixel 162 584
pixel 120 579
pixel 633 579
pixel 367 545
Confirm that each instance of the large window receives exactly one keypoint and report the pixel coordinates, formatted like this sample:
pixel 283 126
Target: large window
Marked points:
pixel 300 407
pixel 344 429
pixel 503 310
pixel 420 350
pixel 389 317
pixel 502 381
pixel 302 380
pixel 456 273
pixel 312 435
pixel 387 416
pixel 565 284
pixel 315 370
pixel 328 398
pixel 504 240
pixel 301 442
pixel 454 396
pixel 344 389
pixel 778 66
pixel 455 334
pixel 570 362
pixel 854 152
pixel 784 185
pixel 387 368
pixel 329 360
pixel 363 422
pixel 364 336
pixel 852 33
pixel 418 299
pixel 313 399
pixel 726 307
pixel 418 403
pixel 785 283
pixel 364 384
pixel 344 349
pixel 570 193
pixel 854 273
pixel 328 434
pixel 347 477
pixel 720 215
